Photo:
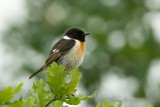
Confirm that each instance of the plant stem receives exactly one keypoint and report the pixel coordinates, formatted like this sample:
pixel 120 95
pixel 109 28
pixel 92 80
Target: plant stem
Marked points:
pixel 50 102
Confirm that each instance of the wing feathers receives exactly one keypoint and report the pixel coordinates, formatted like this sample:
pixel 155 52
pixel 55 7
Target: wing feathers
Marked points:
pixel 63 46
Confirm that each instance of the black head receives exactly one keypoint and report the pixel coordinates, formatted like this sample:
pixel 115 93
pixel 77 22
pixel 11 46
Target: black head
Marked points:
pixel 76 33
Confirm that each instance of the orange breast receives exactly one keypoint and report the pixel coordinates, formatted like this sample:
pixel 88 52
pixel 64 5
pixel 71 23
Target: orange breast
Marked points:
pixel 81 49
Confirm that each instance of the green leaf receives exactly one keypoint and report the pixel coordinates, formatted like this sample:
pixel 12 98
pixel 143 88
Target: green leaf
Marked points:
pixel 34 87
pixel 56 78
pixel 30 102
pixel 150 106
pixel 57 104
pixel 32 95
pixel 17 104
pixel 8 93
pixel 98 105
pixel 75 80
pixel 111 105
pixel 18 88
pixel 43 94
pixel 50 105
pixel 85 98
pixel 73 100
pixel 105 104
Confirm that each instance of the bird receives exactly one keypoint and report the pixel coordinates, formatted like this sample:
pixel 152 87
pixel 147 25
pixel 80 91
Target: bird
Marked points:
pixel 68 51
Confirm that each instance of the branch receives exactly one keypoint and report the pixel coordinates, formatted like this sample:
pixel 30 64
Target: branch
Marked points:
pixel 50 102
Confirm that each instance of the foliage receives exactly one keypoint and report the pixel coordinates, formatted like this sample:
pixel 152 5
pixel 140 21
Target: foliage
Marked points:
pixel 8 93
pixel 105 104
pixel 52 93
pixel 56 90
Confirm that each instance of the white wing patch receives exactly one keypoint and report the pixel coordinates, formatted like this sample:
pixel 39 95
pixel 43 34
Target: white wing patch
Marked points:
pixel 55 50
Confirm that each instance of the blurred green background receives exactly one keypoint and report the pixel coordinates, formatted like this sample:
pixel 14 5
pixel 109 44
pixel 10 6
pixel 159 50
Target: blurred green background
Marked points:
pixel 122 59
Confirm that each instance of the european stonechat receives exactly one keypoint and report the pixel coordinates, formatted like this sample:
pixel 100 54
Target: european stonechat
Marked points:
pixel 68 51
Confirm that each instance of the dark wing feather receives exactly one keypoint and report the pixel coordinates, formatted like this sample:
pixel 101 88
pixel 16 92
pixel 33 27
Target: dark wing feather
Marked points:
pixel 63 46
pixel 53 57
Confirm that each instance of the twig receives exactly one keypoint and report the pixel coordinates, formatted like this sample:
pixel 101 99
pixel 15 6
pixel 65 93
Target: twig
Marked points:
pixel 50 102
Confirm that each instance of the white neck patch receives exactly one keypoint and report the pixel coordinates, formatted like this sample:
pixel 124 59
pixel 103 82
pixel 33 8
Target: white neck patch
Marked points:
pixel 66 37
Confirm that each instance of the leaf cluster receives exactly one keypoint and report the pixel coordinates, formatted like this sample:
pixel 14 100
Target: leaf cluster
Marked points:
pixel 53 93
pixel 8 93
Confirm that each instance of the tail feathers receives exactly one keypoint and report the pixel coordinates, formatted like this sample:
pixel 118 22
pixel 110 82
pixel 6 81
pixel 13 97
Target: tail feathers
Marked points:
pixel 35 73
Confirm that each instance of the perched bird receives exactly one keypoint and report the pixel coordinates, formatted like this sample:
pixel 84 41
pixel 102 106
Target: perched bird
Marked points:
pixel 68 51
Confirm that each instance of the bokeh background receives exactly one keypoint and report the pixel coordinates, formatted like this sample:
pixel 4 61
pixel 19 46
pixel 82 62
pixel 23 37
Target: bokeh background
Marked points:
pixel 122 59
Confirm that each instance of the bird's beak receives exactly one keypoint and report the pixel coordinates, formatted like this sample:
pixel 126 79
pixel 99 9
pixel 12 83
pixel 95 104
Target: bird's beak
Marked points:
pixel 86 34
